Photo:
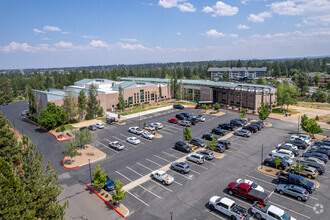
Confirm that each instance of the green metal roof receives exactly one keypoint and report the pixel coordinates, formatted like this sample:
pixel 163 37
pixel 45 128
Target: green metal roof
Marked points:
pixel 198 82
pixel 124 85
pixel 84 81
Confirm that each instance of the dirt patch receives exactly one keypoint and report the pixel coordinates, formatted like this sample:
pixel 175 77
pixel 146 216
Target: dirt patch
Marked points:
pixel 63 135
pixel 316 105
pixel 212 112
pixel 218 155
pixel 120 123
pixel 107 197
pixel 324 118
pixel 320 137
pixel 157 135
pixel 267 124
pixel 90 152
pixel 87 123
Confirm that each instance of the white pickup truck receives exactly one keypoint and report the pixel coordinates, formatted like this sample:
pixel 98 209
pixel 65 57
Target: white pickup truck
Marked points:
pixel 269 212
pixel 227 207
pixel 162 176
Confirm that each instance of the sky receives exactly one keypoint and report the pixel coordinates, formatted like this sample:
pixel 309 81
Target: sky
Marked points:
pixel 66 33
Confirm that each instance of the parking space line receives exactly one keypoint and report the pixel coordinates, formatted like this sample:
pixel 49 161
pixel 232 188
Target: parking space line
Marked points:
pixel 133 136
pixel 261 180
pixel 134 171
pixel 180 174
pixel 175 127
pixel 155 181
pixel 205 168
pixel 163 159
pixel 177 183
pixel 123 141
pixel 150 192
pixel 178 151
pixel 137 198
pixel 169 154
pixel 161 131
pixel 110 141
pixel 154 162
pixel 206 161
pixel 285 208
pixel 195 171
pixel 105 146
pixel 144 166
pixel 234 147
pixel 210 212
pixel 124 176
pixel 287 197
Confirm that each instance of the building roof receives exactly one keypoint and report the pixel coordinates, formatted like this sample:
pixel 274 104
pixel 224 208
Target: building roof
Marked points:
pixel 84 81
pixel 238 69
pixel 216 69
pixel 124 84
pixel 199 82
pixel 257 68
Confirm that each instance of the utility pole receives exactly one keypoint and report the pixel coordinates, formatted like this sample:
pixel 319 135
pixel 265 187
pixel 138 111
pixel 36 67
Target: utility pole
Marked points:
pixel 171 215
pixel 90 171
pixel 262 153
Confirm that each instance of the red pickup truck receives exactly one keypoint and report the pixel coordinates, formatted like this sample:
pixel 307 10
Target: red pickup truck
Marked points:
pixel 246 191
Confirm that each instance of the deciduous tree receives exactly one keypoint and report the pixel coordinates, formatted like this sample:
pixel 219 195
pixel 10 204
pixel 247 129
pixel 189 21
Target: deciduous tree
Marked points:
pixel 243 113
pixel 121 101
pixel 99 177
pixel 71 150
pixel 81 103
pixel 93 105
pixel 70 104
pixel 263 111
pixel 52 116
pixel 187 134
pixel 119 193
pixel 32 102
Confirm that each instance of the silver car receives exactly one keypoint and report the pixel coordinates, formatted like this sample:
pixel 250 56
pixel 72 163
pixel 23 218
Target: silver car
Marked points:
pixel 184 123
pixel 243 132
pixel 116 145
pixel 296 191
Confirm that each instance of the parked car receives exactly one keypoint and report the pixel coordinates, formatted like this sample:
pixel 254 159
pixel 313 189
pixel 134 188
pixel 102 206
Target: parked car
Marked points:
pixel 287 144
pixel 323 147
pixel 109 184
pixel 5 103
pixel 320 156
pixel 197 142
pixel 110 120
pixel 225 142
pixel 259 125
pixel 173 120
pixel 116 145
pixel 181 167
pixel 289 148
pixel 92 127
pixel 218 131
pixel 208 137
pixel 241 120
pixel 236 123
pixel 305 138
pixel 284 152
pixel 209 155
pixel 99 125
pixel 251 183
pixel 283 157
pixel 157 124
pixel 133 140
pixel 193 121
pixel 311 159
pixel 299 143
pixel 246 191
pixel 320 168
pixel 184 123
pixel 180 116
pixel 322 142
pixel 270 162
pixel 135 130
pixel 197 158
pixel 148 135
pixel 187 115
pixel 269 212
pixel 309 172
pixel 178 106
pixel 243 133
pixel 293 190
pixel 162 176
pixel 220 148
pixel 149 127
pixel 83 128
pixel 181 146
pixel 251 128
pixel 227 126
pixel 201 118
pixel 25 113
pixel 290 178
pixel 321 151
pixel 227 207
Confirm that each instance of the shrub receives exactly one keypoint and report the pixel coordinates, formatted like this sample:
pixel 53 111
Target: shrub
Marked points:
pixel 89 116
pixel 73 121
pixel 317 118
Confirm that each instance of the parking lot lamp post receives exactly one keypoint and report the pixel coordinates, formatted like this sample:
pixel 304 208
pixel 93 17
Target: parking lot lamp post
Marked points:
pixel 298 123
pixel 171 215
pixel 90 171
pixel 262 154
pixel 139 121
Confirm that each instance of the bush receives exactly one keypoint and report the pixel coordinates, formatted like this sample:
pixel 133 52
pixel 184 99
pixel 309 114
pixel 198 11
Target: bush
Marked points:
pixel 89 116
pixel 73 121
pixel 317 118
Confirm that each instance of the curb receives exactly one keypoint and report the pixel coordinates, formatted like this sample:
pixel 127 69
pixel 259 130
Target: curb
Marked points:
pixel 16 132
pixel 47 130
pixel 105 201
pixel 69 168
pixel 101 158
pixel 248 113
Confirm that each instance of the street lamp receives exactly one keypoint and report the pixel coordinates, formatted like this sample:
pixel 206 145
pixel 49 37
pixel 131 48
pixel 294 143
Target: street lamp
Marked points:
pixel 90 171
pixel 171 215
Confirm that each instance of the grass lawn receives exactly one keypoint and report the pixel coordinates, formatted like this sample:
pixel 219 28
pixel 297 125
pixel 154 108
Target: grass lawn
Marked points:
pixel 67 127
pixel 103 119
pixel 278 111
pixel 318 105
pixel 324 118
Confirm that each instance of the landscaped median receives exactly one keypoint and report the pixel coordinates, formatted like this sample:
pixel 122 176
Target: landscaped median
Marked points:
pixel 107 198
pixel 85 155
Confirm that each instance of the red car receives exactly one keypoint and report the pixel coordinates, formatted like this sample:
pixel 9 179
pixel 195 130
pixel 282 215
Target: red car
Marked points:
pixel 173 120
pixel 246 191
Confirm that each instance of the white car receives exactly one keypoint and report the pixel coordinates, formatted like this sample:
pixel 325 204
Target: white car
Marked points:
pixel 288 144
pixel 162 176
pixel 100 125
pixel 197 158
pixel 283 151
pixel 133 140
pixel 312 159
pixel 303 137
pixel 148 135
pixel 157 124
pixel 116 145
pixel 284 157
pixel 227 207
pixel 135 130
pixel 251 183
pixel 149 128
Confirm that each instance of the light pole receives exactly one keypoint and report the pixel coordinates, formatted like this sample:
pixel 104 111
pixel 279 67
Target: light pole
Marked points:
pixel 90 171
pixel 139 121
pixel 171 215
pixel 298 123
pixel 262 153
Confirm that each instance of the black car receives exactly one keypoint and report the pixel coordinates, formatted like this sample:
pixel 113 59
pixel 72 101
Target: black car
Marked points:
pixel 220 148
pixel 208 137
pixel 178 106
pixel 227 126
pixel 251 128
pixel 299 143
pixel 225 142
pixel 193 121
pixel 197 142
pixel 187 115
pixel 320 169
pixel 259 124
pixel 218 131
pixel 180 116
pixel 236 123
pixel 270 162
pixel 322 142
pixel 83 128
pixel 288 147
pixel 181 146
pixel 320 156
pixel 241 120
pixel 321 150
pixel 324 147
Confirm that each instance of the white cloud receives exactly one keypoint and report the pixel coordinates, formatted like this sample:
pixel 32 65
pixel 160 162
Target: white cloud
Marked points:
pixel 14 46
pixel 319 19
pixel 98 43
pixel 301 7
pixel 298 25
pixel 65 32
pixel 215 34
pixel 45 38
pixel 51 28
pixel 63 44
pixel 221 9
pixel 259 17
pixel 128 46
pixel 89 36
pixel 182 5
pixel 129 39
pixel 242 27
pixel 36 30
pixel 244 2
pixel 178 33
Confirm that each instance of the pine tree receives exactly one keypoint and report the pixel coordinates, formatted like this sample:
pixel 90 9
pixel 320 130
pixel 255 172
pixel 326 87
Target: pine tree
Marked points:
pixel 187 134
pixel 160 91
pixel 70 104
pixel 81 102
pixel 32 102
pixel 93 105
pixel 121 101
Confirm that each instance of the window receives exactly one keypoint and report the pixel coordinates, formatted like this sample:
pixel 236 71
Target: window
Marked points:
pixel 130 100
pixel 152 96
pixel 134 98
pixel 141 95
pixel 148 96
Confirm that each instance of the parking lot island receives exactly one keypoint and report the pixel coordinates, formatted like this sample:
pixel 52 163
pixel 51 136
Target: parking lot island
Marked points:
pixel 89 153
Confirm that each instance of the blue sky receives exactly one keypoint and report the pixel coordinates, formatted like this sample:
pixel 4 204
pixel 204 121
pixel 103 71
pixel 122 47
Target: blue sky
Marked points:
pixel 49 33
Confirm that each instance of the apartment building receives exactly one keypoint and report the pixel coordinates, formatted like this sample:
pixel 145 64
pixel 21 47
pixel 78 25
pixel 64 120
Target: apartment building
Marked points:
pixel 237 73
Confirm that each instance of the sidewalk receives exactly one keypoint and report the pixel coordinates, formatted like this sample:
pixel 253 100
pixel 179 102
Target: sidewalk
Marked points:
pixel 145 113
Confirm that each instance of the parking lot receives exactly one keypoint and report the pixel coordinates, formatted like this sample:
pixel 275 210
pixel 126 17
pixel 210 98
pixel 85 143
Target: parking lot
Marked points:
pixel 188 196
